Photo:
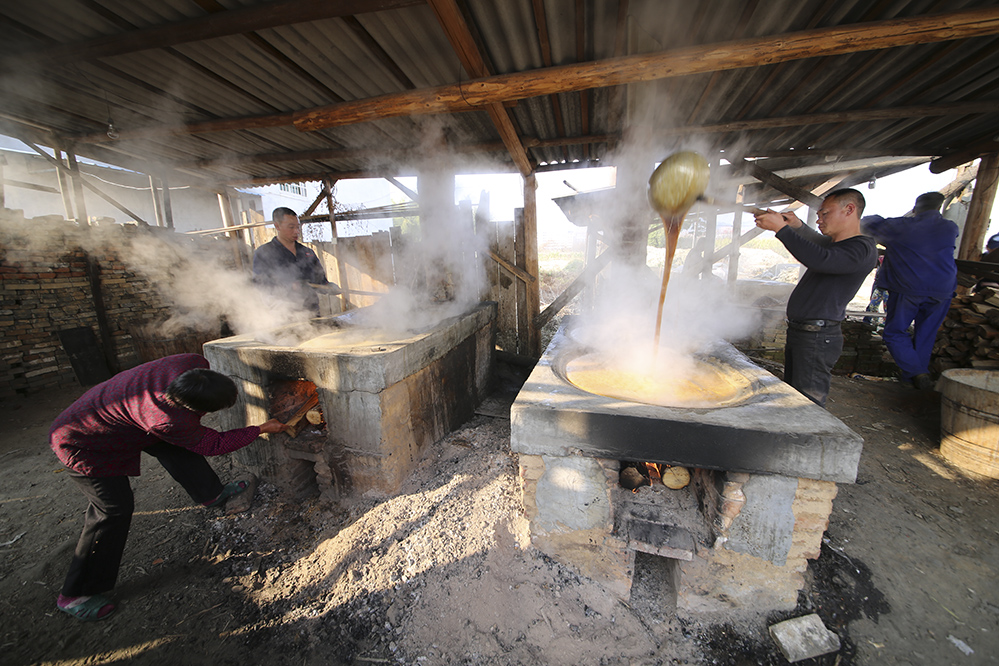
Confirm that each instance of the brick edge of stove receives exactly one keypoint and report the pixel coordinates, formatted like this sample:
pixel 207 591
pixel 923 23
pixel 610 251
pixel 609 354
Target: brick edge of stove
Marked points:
pixel 716 578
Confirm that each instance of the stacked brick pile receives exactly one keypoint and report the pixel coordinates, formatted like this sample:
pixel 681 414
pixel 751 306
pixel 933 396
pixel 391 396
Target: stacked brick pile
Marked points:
pixel 969 336
pixel 45 288
pixel 864 351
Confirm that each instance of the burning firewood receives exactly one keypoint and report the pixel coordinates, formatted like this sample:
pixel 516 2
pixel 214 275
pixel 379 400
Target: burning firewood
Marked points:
pixel 298 420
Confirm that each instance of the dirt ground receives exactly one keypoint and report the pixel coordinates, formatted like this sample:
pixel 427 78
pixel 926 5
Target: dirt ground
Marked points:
pixel 443 573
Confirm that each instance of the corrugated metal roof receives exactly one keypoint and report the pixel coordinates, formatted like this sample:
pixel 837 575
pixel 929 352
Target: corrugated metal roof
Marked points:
pixel 156 66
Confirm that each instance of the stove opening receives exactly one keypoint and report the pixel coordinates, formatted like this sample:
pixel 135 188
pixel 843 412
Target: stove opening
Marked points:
pixel 311 465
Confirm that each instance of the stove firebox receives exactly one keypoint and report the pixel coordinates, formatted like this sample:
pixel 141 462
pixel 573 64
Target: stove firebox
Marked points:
pixel 763 470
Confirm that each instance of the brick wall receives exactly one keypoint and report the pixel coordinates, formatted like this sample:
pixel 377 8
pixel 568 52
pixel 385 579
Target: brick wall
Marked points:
pixel 45 289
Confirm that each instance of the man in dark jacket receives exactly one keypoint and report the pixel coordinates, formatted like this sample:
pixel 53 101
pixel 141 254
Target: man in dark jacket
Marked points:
pixel 286 265
pixel 920 276
pixel 837 261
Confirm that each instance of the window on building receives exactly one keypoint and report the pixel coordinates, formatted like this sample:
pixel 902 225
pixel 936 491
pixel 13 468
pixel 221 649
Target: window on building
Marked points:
pixel 293 188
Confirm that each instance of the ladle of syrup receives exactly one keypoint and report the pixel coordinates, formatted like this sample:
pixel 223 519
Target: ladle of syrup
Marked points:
pixel 673 188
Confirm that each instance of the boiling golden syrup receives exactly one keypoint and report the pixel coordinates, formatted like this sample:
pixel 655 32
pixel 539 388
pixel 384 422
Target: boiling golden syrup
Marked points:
pixel 348 338
pixel 700 384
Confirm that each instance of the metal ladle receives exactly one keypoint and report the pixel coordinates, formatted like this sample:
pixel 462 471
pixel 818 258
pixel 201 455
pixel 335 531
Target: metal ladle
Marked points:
pixel 674 186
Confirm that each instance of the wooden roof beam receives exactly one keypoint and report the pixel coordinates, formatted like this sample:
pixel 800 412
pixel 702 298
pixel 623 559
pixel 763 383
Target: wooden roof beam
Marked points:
pixel 220 24
pixel 463 43
pixel 957 109
pixel 752 52
pixel 776 182
pixel 614 71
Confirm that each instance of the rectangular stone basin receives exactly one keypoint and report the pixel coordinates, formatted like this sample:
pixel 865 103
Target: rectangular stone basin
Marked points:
pixel 384 396
pixel 771 429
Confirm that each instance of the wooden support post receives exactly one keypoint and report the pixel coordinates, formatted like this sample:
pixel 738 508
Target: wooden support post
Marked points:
pixel 982 200
pixel 589 296
pixel 582 280
pixel 3 200
pixel 225 208
pixel 63 169
pixel 483 226
pixel 341 268
pixel 710 229
pixel 64 186
pixel 527 260
pixel 167 203
pixel 323 195
pixel 81 204
pixel 733 258
pixel 157 209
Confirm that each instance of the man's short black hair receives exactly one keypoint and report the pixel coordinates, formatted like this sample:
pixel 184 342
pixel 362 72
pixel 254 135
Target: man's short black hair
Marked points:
pixel 202 390
pixel 928 201
pixel 846 195
pixel 280 213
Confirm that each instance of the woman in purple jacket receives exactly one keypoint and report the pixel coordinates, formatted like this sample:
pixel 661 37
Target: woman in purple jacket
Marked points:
pixel 154 408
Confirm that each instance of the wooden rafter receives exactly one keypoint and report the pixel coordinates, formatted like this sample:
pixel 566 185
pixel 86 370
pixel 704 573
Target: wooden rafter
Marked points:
pixel 737 54
pixel 463 43
pixel 376 155
pixel 474 94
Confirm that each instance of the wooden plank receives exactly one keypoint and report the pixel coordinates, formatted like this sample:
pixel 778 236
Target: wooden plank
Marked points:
pixel 505 287
pixel 982 201
pixel 520 288
pixel 957 158
pixel 515 271
pixel 225 209
pixel 530 265
pixel 778 183
pixel 738 54
pixel 27 186
pixel 583 280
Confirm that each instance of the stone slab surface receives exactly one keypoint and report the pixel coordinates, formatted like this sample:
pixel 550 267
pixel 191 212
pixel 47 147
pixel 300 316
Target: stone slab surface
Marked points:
pixel 776 430
pixel 803 638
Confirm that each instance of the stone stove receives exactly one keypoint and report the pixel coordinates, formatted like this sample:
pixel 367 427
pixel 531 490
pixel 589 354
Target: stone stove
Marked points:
pixel 380 398
pixel 764 471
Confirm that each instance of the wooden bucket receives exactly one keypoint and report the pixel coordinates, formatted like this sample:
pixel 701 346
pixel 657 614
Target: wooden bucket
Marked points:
pixel 969 422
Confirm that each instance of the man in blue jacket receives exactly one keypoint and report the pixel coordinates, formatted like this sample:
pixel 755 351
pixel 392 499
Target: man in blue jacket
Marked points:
pixel 920 276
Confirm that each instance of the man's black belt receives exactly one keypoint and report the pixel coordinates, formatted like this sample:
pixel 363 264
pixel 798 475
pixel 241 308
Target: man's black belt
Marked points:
pixel 813 325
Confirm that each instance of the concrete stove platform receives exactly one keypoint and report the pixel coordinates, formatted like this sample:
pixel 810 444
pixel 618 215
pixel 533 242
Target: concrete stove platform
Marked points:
pixel 764 472
pixel 774 430
pixel 384 396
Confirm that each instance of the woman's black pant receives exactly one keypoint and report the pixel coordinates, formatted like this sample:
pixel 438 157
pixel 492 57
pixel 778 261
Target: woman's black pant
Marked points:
pixel 97 559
